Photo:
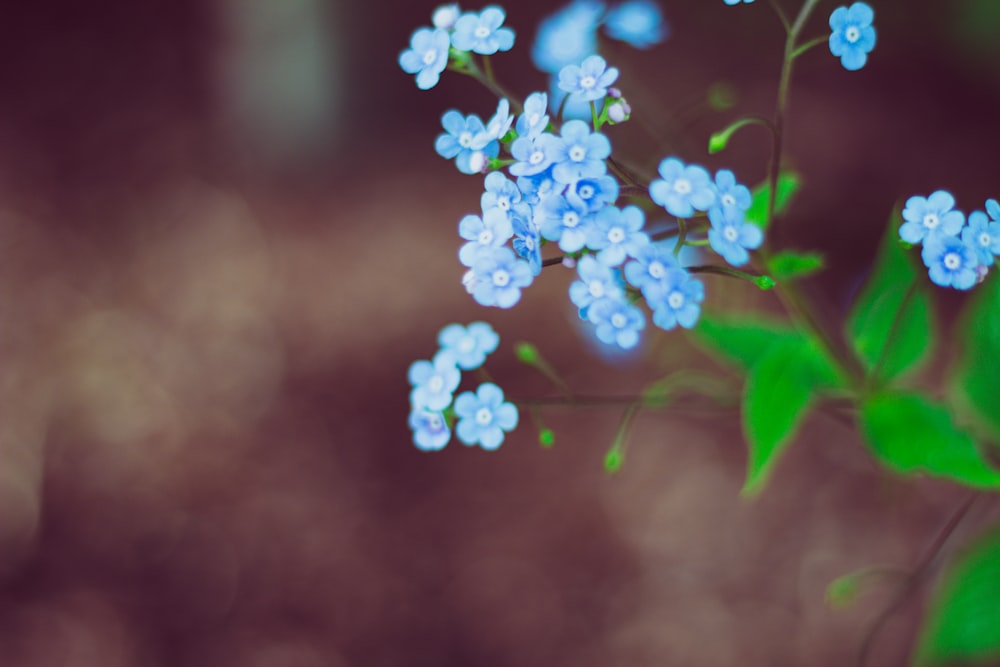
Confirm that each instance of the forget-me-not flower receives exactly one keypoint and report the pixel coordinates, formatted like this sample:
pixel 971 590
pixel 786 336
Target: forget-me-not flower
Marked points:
pixel 482 32
pixel 534 154
pixel 588 81
pixel 469 346
pixel 593 193
pixel 732 3
pixel 579 153
pixel 682 189
pixel 731 198
pixel 616 233
pixel 950 261
pixel 678 300
pixel 853 35
pixel 983 236
pixel 499 277
pixel 562 221
pixel 433 381
pixel 534 119
pixel 731 236
pixel 926 216
pixel 617 322
pixel 568 36
pixel 636 22
pixel 444 17
pixel 492 230
pixel 484 416
pixel 597 281
pixel 464 137
pixel 648 270
pixel 430 429
pixel 427 56
pixel 528 241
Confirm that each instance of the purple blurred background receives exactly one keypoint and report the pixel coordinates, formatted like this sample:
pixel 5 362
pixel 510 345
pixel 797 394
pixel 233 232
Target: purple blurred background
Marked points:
pixel 224 235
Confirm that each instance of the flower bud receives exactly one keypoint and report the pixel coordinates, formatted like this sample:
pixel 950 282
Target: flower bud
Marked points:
pixel 445 16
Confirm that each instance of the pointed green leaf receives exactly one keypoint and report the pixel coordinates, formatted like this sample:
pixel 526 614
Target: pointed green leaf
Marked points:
pixel 778 392
pixel 911 434
pixel 789 265
pixel 963 623
pixel 976 380
pixel 788 185
pixel 739 341
pixel 890 325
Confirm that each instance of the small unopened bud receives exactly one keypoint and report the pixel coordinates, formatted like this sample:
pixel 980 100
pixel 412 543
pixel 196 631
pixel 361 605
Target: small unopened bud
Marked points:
pixel 981 272
pixel 478 162
pixel 619 112
pixel 469 280
pixel 569 262
pixel 445 16
pixel 614 93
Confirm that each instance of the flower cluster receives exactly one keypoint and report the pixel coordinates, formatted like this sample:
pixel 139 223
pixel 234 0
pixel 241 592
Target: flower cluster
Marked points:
pixel 483 417
pixel 957 254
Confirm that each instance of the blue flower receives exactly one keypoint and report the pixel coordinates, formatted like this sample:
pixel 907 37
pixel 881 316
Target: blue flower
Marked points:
pixel 562 221
pixel 588 81
pixel 500 123
pixel 616 234
pixel 502 193
pixel 469 345
pixel 568 36
pixel 536 188
pixel 853 36
pixel 732 198
pixel 636 22
pixel 578 153
pixel 482 32
pixel 593 193
pixel 534 154
pixel 571 106
pixel 649 270
pixel 931 215
pixel 464 137
pixel 732 3
pixel 534 119
pixel 528 242
pixel 597 281
pixel 427 56
pixel 677 300
pixel 617 322
pixel 983 236
pixel 993 208
pixel 430 429
pixel 483 234
pixel 433 382
pixel 499 277
pixel 950 262
pixel 682 189
pixel 484 416
pixel 445 16
pixel 731 236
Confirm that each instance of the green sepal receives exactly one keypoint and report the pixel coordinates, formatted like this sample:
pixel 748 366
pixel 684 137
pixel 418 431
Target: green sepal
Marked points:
pixel 890 326
pixel 911 434
pixel 963 621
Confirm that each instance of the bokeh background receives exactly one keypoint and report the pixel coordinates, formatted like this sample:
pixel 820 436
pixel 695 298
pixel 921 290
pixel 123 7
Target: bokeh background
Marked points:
pixel 224 235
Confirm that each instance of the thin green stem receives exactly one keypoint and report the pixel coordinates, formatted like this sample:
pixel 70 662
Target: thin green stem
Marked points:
pixel 816 41
pixel 682 231
pixel 781 15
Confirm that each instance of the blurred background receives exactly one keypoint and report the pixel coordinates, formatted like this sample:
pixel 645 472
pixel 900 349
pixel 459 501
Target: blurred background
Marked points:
pixel 224 235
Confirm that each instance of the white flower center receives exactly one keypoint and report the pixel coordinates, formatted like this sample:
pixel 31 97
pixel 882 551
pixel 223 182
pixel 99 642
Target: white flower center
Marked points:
pixel 467 344
pixel 434 422
pixel 952 261
pixel 682 186
pixel 485 237
pixel 596 289
pixel 728 200
pixel 586 191
pixel 616 235
pixel 430 55
pixel 931 220
pixel 577 153
pixel 503 203
pixel 435 384
pixel 657 270
pixel 482 32
pixel 730 234
pixel 534 119
pixel 501 278
pixel 529 243
pixel 588 82
pixel 618 320
pixel 852 34
pixel 465 139
pixel 675 300
pixel 571 219
pixel 537 157
pixel 985 239
pixel 483 416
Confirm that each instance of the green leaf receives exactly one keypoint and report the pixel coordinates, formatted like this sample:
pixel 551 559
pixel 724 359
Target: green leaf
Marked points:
pixel 738 341
pixel 890 325
pixel 789 264
pixel 788 185
pixel 780 388
pixel 911 434
pixel 976 380
pixel 963 623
